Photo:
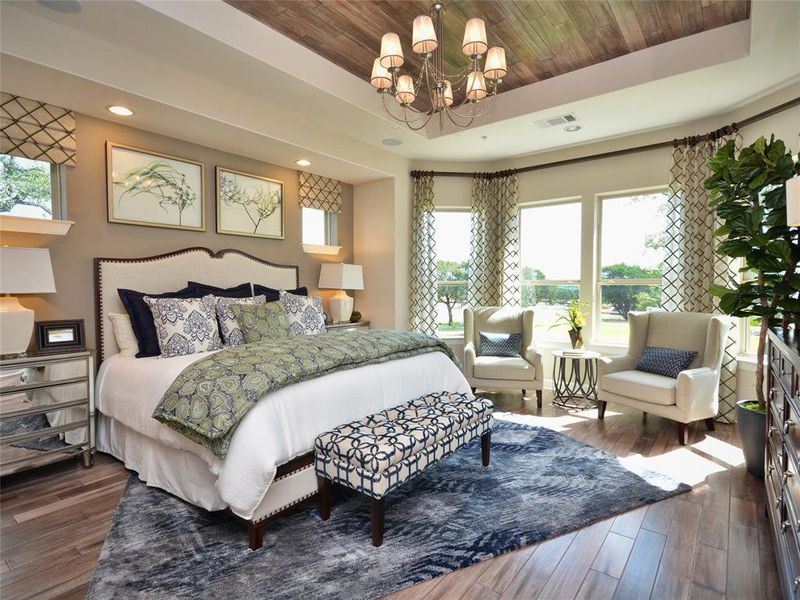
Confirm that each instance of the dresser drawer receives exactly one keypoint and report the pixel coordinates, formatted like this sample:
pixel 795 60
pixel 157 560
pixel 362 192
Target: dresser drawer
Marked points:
pixel 43 399
pixel 782 370
pixel 63 421
pixel 15 378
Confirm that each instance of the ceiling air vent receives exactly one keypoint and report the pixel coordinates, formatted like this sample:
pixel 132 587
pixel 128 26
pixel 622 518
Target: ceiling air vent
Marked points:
pixel 556 121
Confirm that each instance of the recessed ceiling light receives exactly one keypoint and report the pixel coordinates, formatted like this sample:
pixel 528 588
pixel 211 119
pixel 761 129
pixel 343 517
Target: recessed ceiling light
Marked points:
pixel 121 111
pixel 392 142
pixel 572 128
pixel 303 162
pixel 63 6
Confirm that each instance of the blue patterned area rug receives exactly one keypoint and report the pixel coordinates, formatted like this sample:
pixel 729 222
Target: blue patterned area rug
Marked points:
pixel 540 484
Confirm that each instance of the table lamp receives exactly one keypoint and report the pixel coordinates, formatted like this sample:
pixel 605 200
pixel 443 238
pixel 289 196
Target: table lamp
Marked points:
pixel 22 271
pixel 338 276
pixel 793 202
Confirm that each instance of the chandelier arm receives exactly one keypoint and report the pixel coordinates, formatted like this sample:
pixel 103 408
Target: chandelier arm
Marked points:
pixel 403 119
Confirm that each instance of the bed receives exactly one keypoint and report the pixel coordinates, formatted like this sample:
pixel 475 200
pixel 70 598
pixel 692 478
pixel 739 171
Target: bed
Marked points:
pixel 269 466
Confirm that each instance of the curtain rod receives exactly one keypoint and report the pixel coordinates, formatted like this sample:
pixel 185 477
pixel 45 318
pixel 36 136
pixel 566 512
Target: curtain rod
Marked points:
pixel 665 144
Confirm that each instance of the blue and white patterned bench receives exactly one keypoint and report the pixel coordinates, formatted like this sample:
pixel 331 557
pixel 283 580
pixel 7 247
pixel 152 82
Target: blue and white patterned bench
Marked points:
pixel 379 453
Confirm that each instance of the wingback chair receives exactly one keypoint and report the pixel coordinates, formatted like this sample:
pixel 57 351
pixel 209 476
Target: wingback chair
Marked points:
pixel 502 372
pixel 694 395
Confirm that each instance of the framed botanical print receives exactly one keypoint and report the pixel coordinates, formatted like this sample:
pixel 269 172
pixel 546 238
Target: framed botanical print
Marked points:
pixel 249 205
pixel 153 189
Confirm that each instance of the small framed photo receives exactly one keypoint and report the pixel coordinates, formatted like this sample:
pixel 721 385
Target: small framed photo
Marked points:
pixel 249 205
pixel 59 336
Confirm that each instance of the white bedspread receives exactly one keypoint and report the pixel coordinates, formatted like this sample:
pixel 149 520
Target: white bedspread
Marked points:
pixel 282 425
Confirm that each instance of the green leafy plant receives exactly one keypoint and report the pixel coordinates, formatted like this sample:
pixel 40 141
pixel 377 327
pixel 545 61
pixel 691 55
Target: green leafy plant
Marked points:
pixel 574 316
pixel 748 194
pixel 162 180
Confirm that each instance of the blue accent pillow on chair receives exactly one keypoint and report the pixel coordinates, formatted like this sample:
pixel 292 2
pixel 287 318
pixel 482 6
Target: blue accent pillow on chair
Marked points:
pixel 500 344
pixel 665 361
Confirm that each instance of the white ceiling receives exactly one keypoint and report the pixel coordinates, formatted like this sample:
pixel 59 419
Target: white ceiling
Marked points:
pixel 205 62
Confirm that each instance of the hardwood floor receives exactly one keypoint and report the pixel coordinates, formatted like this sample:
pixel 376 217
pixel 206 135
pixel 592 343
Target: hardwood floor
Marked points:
pixel 711 543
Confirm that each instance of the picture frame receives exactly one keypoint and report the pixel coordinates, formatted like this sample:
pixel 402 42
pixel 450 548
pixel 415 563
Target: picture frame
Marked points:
pixel 249 205
pixel 59 336
pixel 154 189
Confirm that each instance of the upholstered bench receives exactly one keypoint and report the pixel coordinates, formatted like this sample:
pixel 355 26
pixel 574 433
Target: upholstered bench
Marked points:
pixel 379 453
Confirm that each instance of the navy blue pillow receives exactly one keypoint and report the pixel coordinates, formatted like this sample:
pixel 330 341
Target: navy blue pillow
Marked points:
pixel 500 344
pixel 240 291
pixel 274 295
pixel 142 319
pixel 665 361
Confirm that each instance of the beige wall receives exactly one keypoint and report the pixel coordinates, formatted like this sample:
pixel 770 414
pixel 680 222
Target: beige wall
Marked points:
pixel 92 235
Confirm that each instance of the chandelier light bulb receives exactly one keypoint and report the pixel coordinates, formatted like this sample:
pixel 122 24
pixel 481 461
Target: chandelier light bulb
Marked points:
pixel 445 97
pixel 476 86
pixel 391 51
pixel 495 67
pixel 380 79
pixel 475 38
pixel 405 90
pixel 423 40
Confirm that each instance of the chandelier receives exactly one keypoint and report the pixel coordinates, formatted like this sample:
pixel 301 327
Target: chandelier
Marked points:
pixel 439 89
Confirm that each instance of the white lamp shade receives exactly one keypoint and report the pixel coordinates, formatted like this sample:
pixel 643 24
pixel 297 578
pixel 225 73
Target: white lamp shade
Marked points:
pixel 446 97
pixel 476 86
pixel 495 67
pixel 423 40
pixel 475 38
pixel 26 271
pixel 339 276
pixel 793 202
pixel 405 90
pixel 380 78
pixel 391 51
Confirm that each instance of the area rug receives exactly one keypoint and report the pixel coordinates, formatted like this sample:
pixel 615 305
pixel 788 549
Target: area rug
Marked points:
pixel 540 484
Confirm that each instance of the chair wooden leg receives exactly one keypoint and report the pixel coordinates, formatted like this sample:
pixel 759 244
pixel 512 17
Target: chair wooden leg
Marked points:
pixel 486 447
pixel 255 535
pixel 710 424
pixel 524 393
pixel 324 486
pixel 601 409
pixel 378 508
pixel 683 434
pixel 644 417
pixel 538 398
pixel 474 390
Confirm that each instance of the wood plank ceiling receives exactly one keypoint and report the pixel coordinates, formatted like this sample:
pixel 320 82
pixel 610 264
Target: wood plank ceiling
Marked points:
pixel 542 38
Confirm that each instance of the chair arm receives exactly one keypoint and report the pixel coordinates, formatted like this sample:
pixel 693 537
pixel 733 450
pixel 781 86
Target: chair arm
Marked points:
pixel 533 356
pixel 614 364
pixel 469 359
pixel 697 393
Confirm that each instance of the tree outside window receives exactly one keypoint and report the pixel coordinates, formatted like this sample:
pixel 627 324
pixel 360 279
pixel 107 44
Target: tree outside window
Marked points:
pixel 26 187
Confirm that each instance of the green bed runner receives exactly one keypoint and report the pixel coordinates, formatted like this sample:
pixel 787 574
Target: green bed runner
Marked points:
pixel 210 397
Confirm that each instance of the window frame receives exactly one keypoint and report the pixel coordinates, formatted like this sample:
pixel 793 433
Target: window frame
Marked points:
pixel 330 227
pixel 58 189
pixel 599 282
pixel 460 333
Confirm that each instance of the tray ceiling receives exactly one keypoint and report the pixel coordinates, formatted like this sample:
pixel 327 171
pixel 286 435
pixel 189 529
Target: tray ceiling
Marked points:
pixel 542 39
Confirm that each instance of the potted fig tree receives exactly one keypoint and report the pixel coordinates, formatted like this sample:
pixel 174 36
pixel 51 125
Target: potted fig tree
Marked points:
pixel 747 190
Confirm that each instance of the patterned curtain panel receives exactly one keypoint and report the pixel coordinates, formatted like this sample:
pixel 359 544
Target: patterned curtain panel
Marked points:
pixel 691 264
pixel 494 277
pixel 320 192
pixel 32 129
pixel 423 255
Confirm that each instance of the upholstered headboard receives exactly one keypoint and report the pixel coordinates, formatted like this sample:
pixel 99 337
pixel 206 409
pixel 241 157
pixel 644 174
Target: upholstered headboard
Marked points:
pixel 171 271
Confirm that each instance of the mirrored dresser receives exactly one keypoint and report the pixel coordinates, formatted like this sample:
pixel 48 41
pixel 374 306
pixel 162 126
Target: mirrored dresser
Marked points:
pixel 46 410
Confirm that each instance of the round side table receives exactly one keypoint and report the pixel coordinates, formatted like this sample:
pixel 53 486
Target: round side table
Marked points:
pixel 575 387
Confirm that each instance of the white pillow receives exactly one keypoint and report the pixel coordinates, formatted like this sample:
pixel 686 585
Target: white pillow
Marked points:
pixel 185 325
pixel 123 334
pixel 305 313
pixel 228 327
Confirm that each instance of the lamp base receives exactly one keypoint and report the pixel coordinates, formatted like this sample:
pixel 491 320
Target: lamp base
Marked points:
pixel 340 305
pixel 16 327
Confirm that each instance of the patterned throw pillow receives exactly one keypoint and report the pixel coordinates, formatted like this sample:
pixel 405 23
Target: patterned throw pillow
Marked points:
pixel 305 313
pixel 665 361
pixel 500 344
pixel 259 322
pixel 185 325
pixel 229 327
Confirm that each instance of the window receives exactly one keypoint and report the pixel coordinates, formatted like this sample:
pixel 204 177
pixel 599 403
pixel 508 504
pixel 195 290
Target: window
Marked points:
pixel 30 188
pixel 550 257
pixel 319 227
pixel 452 269
pixel 632 238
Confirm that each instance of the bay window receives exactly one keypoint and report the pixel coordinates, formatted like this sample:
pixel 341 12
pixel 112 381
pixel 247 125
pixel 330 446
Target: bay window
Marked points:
pixel 452 269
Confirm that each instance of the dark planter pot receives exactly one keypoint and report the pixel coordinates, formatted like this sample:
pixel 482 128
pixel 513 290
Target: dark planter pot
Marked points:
pixel 752 429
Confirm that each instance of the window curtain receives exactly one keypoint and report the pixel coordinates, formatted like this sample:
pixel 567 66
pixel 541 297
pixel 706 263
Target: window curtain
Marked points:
pixel 691 263
pixel 35 130
pixel 423 255
pixel 494 277
pixel 316 191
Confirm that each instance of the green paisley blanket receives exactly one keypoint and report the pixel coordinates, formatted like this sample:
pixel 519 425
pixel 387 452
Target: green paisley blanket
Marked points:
pixel 210 397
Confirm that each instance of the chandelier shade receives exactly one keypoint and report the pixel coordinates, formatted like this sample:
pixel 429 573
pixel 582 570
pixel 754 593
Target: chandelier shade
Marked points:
pixel 446 97
pixel 475 38
pixel 495 67
pixel 424 35
pixel 391 51
pixel 476 86
pixel 381 78
pixel 405 90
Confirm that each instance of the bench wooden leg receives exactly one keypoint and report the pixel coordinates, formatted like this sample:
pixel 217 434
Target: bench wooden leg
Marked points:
pixel 324 486
pixel 486 446
pixel 378 507
pixel 255 535
pixel 601 409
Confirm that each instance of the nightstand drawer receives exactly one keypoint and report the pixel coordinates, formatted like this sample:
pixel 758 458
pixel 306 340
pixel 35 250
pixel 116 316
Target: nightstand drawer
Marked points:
pixel 20 378
pixel 43 447
pixel 24 427
pixel 43 399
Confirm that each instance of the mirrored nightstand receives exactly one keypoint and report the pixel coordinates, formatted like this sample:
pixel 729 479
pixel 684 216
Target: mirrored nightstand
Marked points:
pixel 347 326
